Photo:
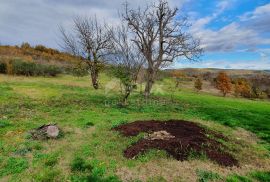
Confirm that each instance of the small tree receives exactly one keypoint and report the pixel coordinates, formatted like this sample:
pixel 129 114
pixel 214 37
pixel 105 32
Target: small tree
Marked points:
pixel 223 83
pixel 243 88
pixel 127 60
pixel 198 84
pixel 160 34
pixel 89 40
pixel 25 45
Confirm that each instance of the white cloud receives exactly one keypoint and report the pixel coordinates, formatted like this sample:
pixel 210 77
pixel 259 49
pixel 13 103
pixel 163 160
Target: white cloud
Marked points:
pixel 221 64
pixel 220 8
pixel 236 35
pixel 36 21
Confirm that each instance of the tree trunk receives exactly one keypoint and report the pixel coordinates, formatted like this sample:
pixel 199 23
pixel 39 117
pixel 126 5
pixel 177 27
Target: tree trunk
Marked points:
pixel 125 98
pixel 149 82
pixel 128 90
pixel 94 77
pixel 94 73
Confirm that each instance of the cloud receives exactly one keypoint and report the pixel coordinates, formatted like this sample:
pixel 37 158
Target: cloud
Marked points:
pixel 258 19
pixel 219 9
pixel 246 33
pixel 221 64
pixel 261 61
pixel 37 21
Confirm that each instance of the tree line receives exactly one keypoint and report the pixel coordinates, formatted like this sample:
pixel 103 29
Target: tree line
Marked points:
pixel 256 86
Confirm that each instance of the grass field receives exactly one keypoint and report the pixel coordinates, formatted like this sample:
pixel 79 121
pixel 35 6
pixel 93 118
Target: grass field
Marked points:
pixel 89 150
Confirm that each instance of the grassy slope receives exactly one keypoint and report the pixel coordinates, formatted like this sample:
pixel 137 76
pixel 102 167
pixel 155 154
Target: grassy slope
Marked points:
pixel 26 103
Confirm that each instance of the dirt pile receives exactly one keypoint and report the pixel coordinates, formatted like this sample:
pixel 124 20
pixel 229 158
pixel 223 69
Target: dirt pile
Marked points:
pixel 179 138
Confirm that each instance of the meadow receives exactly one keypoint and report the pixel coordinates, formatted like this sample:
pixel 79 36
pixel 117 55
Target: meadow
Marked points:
pixel 88 150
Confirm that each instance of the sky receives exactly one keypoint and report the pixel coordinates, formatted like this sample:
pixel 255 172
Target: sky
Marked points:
pixel 235 34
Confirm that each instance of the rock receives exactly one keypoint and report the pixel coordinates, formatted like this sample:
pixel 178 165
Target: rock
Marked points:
pixel 50 131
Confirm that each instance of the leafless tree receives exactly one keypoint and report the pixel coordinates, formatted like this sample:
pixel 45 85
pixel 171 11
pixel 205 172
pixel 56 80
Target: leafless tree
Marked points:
pixel 90 40
pixel 161 36
pixel 127 60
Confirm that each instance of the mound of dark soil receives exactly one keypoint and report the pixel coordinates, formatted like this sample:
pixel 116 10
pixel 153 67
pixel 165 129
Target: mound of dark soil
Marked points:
pixel 179 138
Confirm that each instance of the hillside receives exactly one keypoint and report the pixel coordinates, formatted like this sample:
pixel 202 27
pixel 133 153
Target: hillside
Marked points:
pixel 39 54
pixel 89 150
pixel 38 61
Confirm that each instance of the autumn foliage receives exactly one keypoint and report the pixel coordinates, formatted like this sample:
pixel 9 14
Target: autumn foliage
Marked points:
pixel 242 88
pixel 198 84
pixel 35 61
pixel 223 83
pixel 37 53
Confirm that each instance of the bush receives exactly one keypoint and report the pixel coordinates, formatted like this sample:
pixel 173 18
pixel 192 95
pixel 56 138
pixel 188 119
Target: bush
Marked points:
pixel 79 72
pixel 3 67
pixel 23 68
pixel 25 45
pixel 198 84
pixel 32 69
pixel 243 88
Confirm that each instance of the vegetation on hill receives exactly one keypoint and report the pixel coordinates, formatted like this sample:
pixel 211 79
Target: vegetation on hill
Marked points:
pixel 36 61
pixel 252 84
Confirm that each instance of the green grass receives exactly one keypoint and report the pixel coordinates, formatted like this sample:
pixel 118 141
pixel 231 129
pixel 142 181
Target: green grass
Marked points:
pixel 206 176
pixel 87 116
pixel 261 176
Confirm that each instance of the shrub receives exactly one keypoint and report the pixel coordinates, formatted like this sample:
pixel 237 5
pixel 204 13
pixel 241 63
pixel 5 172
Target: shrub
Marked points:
pixel 198 84
pixel 223 83
pixel 20 67
pixel 23 68
pixel 3 67
pixel 243 88
pixel 25 45
pixel 9 67
pixel 40 48
pixel 268 92
pixel 79 72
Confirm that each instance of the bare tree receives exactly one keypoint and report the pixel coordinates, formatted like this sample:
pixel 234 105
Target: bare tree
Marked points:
pixel 89 40
pixel 161 36
pixel 127 60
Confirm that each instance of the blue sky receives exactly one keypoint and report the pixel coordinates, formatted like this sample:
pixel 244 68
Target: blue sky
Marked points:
pixel 235 34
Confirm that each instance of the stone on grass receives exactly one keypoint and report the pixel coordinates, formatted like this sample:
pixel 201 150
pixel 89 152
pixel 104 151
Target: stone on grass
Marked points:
pixel 50 131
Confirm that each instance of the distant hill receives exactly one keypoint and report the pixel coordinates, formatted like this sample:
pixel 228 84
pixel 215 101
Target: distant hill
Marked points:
pixel 232 72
